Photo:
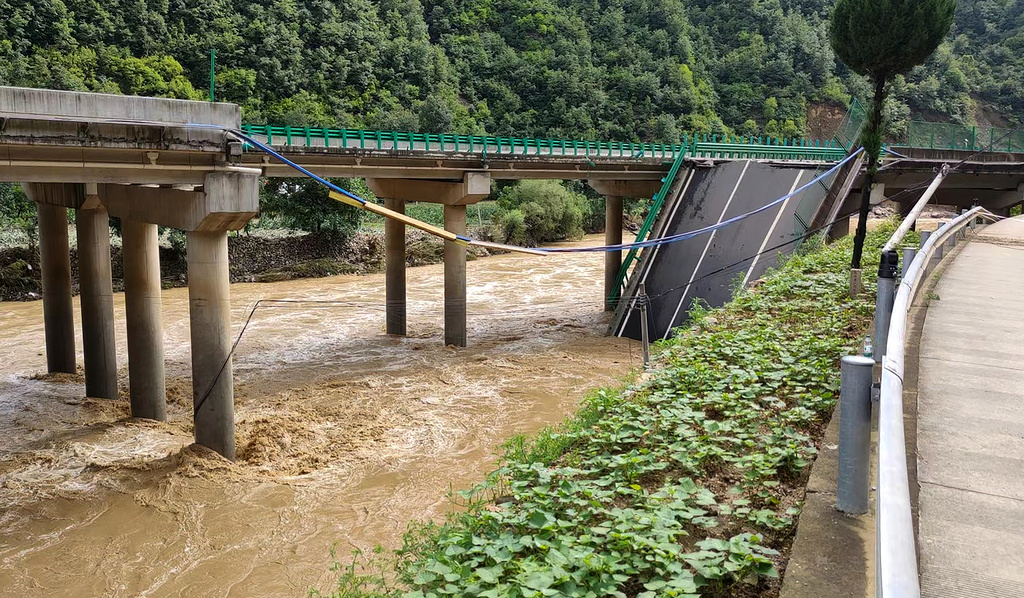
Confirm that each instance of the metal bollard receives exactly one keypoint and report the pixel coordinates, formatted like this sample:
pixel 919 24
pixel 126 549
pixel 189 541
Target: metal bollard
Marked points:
pixel 909 253
pixel 883 302
pixel 928 263
pixel 644 340
pixel 854 485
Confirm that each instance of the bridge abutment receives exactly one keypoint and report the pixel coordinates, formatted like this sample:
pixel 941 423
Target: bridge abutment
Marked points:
pixel 143 315
pixel 55 270
pixel 394 283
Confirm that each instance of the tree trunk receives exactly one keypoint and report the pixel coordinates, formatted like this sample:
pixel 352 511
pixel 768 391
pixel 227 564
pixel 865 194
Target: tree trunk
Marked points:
pixel 871 139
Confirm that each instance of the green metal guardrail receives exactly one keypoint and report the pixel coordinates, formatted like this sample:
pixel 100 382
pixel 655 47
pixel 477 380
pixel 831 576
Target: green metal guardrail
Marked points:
pixel 932 135
pixel 703 146
pixel 849 127
pixel 954 136
pixel 645 229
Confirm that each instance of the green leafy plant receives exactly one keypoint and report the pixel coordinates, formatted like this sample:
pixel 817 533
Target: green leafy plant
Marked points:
pixel 686 482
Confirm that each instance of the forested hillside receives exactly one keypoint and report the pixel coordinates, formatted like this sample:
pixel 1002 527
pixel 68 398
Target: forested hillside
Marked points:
pixel 622 69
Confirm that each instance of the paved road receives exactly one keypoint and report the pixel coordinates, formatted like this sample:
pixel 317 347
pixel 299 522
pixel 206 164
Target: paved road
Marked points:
pixel 971 422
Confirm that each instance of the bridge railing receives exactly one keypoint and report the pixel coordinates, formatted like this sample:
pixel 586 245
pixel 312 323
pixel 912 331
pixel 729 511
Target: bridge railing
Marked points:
pixel 896 558
pixel 954 136
pixel 474 144
pixel 645 228
pixel 700 146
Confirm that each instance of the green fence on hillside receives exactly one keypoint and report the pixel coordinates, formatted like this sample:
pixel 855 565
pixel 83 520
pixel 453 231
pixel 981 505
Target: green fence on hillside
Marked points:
pixel 849 129
pixel 955 136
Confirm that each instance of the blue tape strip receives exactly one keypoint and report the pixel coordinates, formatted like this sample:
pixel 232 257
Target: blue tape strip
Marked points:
pixel 707 229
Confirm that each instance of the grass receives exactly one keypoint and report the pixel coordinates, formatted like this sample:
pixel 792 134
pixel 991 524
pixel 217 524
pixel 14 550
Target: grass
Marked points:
pixel 686 482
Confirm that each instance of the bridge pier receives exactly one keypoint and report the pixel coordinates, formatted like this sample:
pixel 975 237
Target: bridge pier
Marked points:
pixel 612 259
pixel 209 309
pixel 97 298
pixel 226 201
pixel 614 192
pixel 55 269
pixel 455 278
pixel 394 276
pixel 455 196
pixel 143 306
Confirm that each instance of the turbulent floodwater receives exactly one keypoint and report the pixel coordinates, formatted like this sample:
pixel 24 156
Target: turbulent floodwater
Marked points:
pixel 344 434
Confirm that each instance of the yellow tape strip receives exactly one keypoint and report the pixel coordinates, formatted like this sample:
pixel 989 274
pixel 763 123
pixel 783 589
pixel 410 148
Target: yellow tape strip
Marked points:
pixel 423 226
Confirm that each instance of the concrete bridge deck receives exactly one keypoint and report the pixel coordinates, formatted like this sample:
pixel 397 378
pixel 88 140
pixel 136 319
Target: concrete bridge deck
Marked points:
pixel 970 427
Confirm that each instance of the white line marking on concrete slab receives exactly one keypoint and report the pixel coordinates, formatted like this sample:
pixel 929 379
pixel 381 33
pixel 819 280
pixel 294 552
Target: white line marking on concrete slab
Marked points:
pixel 771 231
pixel 707 246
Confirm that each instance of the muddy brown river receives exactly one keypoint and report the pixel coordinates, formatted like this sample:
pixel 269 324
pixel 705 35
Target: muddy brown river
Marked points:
pixel 344 434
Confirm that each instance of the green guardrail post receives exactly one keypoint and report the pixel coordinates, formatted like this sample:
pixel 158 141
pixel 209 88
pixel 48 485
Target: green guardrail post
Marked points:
pixel 213 72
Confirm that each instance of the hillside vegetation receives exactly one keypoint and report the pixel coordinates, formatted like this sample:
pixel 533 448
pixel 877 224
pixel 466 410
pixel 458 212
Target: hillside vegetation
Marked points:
pixel 628 70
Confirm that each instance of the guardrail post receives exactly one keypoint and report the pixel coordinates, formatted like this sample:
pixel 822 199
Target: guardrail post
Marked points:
pixel 644 340
pixel 883 303
pixel 853 485
pixel 909 253
pixel 924 238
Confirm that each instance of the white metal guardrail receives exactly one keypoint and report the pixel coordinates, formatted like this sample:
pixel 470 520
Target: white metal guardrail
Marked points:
pixel 896 557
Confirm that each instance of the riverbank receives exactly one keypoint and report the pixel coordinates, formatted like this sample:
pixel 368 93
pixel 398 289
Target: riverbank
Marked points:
pixel 687 483
pixel 252 258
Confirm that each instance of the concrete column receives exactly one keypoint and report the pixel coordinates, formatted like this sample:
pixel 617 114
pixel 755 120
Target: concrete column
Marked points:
pixel 394 243
pixel 612 236
pixel 97 297
pixel 210 320
pixel 55 266
pixel 143 306
pixel 455 278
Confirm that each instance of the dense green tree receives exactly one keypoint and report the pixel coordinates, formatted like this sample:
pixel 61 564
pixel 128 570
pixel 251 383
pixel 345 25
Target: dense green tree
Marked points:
pixel 304 204
pixel 880 39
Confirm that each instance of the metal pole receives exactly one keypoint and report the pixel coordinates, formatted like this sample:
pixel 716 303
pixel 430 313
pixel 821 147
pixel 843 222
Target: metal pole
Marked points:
pixel 213 75
pixel 915 212
pixel 853 485
pixel 909 253
pixel 924 238
pixel 644 340
pixel 883 303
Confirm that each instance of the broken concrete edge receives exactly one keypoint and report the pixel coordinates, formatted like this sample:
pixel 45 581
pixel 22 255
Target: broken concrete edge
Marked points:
pixel 24 102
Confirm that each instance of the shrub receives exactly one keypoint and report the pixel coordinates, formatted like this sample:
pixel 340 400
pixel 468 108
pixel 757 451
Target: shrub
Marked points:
pixel 547 211
pixel 304 204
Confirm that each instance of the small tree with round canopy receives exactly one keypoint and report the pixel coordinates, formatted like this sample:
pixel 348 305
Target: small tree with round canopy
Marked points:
pixel 881 39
